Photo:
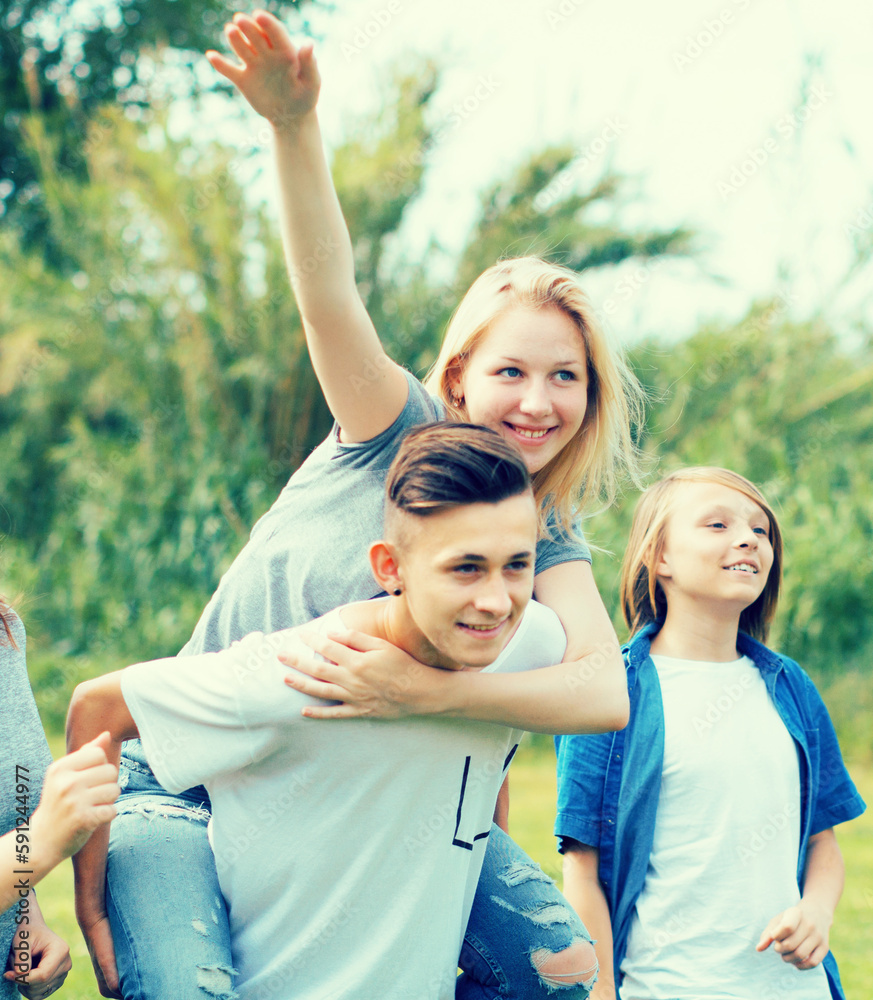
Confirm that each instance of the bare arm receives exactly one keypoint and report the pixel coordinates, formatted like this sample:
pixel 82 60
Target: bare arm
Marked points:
pixel 800 933
pixel 584 893
pixel 364 389
pixel 585 694
pixel 96 706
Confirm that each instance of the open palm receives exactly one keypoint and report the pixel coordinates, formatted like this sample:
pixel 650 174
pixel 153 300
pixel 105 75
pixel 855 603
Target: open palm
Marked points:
pixel 280 82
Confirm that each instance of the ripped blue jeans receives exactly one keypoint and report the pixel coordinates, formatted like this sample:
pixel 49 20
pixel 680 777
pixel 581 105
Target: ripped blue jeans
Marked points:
pixel 170 928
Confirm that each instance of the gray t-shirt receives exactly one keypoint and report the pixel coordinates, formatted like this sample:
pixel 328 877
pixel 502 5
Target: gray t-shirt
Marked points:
pixel 308 554
pixel 22 744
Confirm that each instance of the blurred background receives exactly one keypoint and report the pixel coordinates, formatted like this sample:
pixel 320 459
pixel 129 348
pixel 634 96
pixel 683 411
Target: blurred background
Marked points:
pixel 708 170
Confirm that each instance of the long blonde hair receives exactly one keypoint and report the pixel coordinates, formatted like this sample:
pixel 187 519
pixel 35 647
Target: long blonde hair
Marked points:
pixel 591 468
pixel 642 599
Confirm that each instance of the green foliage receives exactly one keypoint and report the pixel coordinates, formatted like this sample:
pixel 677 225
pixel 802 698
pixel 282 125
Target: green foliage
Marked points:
pixel 66 61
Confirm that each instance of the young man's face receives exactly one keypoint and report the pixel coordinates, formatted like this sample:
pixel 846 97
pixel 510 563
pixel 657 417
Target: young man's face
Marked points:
pixel 467 575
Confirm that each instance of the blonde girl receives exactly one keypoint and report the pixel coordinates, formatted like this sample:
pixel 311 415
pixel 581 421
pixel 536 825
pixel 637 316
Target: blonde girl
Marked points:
pixel 698 842
pixel 525 356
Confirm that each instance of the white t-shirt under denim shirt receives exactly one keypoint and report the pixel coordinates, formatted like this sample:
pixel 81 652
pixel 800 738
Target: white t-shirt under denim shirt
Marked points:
pixel 724 857
pixel 348 850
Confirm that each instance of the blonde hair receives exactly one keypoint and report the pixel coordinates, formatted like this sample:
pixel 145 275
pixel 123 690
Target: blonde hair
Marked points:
pixel 601 455
pixel 642 599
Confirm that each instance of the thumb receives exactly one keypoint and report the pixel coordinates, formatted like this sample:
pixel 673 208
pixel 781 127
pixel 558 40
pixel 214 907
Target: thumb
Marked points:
pixel 359 641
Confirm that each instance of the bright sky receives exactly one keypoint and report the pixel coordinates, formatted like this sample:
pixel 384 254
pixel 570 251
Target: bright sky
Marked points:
pixel 748 120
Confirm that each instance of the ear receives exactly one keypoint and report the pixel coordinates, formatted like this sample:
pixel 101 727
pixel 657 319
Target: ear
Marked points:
pixel 454 379
pixel 385 566
pixel 662 566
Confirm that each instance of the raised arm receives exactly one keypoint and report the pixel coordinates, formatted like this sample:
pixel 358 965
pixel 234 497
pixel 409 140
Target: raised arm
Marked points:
pixel 587 693
pixel 96 706
pixel 364 389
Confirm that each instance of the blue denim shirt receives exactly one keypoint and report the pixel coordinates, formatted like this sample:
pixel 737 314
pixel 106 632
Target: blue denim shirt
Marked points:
pixel 608 784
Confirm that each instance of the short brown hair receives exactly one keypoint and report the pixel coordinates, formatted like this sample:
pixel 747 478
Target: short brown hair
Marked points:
pixel 642 599
pixel 448 464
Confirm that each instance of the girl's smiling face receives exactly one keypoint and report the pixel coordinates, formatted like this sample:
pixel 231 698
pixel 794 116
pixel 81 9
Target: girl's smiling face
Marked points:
pixel 717 548
pixel 527 378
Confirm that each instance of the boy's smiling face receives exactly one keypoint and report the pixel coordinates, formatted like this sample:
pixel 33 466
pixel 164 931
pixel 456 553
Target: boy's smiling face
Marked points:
pixel 466 576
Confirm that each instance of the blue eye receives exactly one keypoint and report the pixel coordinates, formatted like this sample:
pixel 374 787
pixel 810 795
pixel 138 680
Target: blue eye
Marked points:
pixel 565 376
pixel 762 531
pixel 510 372
pixel 518 566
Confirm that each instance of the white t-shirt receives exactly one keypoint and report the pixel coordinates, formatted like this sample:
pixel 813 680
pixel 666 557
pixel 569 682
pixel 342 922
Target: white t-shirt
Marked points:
pixel 348 850
pixel 724 856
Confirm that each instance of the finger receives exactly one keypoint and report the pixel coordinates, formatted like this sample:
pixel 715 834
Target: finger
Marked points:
pixel 352 639
pixel 317 689
pixel 53 964
pixel 815 958
pixel 253 34
pixel 308 71
pixel 309 665
pixel 330 649
pixel 275 34
pixel 229 70
pixel 334 712
pixel 238 42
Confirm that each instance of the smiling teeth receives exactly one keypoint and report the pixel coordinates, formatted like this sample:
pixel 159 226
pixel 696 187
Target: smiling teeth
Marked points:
pixel 531 434
pixel 481 628
pixel 743 568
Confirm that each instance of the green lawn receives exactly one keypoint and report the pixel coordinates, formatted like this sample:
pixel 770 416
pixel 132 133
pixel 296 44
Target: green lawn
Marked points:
pixel 531 816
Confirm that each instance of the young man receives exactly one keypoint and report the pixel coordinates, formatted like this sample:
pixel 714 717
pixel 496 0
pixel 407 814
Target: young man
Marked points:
pixel 349 854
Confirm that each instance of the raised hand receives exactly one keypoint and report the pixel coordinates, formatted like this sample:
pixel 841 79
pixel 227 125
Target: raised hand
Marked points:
pixel 280 81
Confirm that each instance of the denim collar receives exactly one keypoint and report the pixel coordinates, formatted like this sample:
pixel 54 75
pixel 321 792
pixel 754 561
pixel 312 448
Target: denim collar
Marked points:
pixel 638 647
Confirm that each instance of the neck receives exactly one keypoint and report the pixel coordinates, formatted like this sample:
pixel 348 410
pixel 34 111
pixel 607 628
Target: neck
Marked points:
pixel 698 634
pixel 391 620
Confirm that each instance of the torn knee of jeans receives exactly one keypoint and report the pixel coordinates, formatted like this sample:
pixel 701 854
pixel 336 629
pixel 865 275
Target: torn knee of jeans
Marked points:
pixel 164 810
pixel 575 965
pixel 522 871
pixel 542 914
pixel 216 981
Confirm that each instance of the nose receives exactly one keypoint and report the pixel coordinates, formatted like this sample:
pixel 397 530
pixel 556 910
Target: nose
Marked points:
pixel 493 597
pixel 746 539
pixel 535 401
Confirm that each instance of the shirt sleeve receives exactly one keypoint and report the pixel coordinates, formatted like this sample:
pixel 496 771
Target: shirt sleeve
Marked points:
pixel 582 764
pixel 838 799
pixel 561 547
pixel 207 715
pixel 378 452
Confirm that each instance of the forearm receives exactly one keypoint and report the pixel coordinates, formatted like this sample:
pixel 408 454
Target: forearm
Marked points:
pixel 824 874
pixel 588 695
pixel 318 249
pixel 584 893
